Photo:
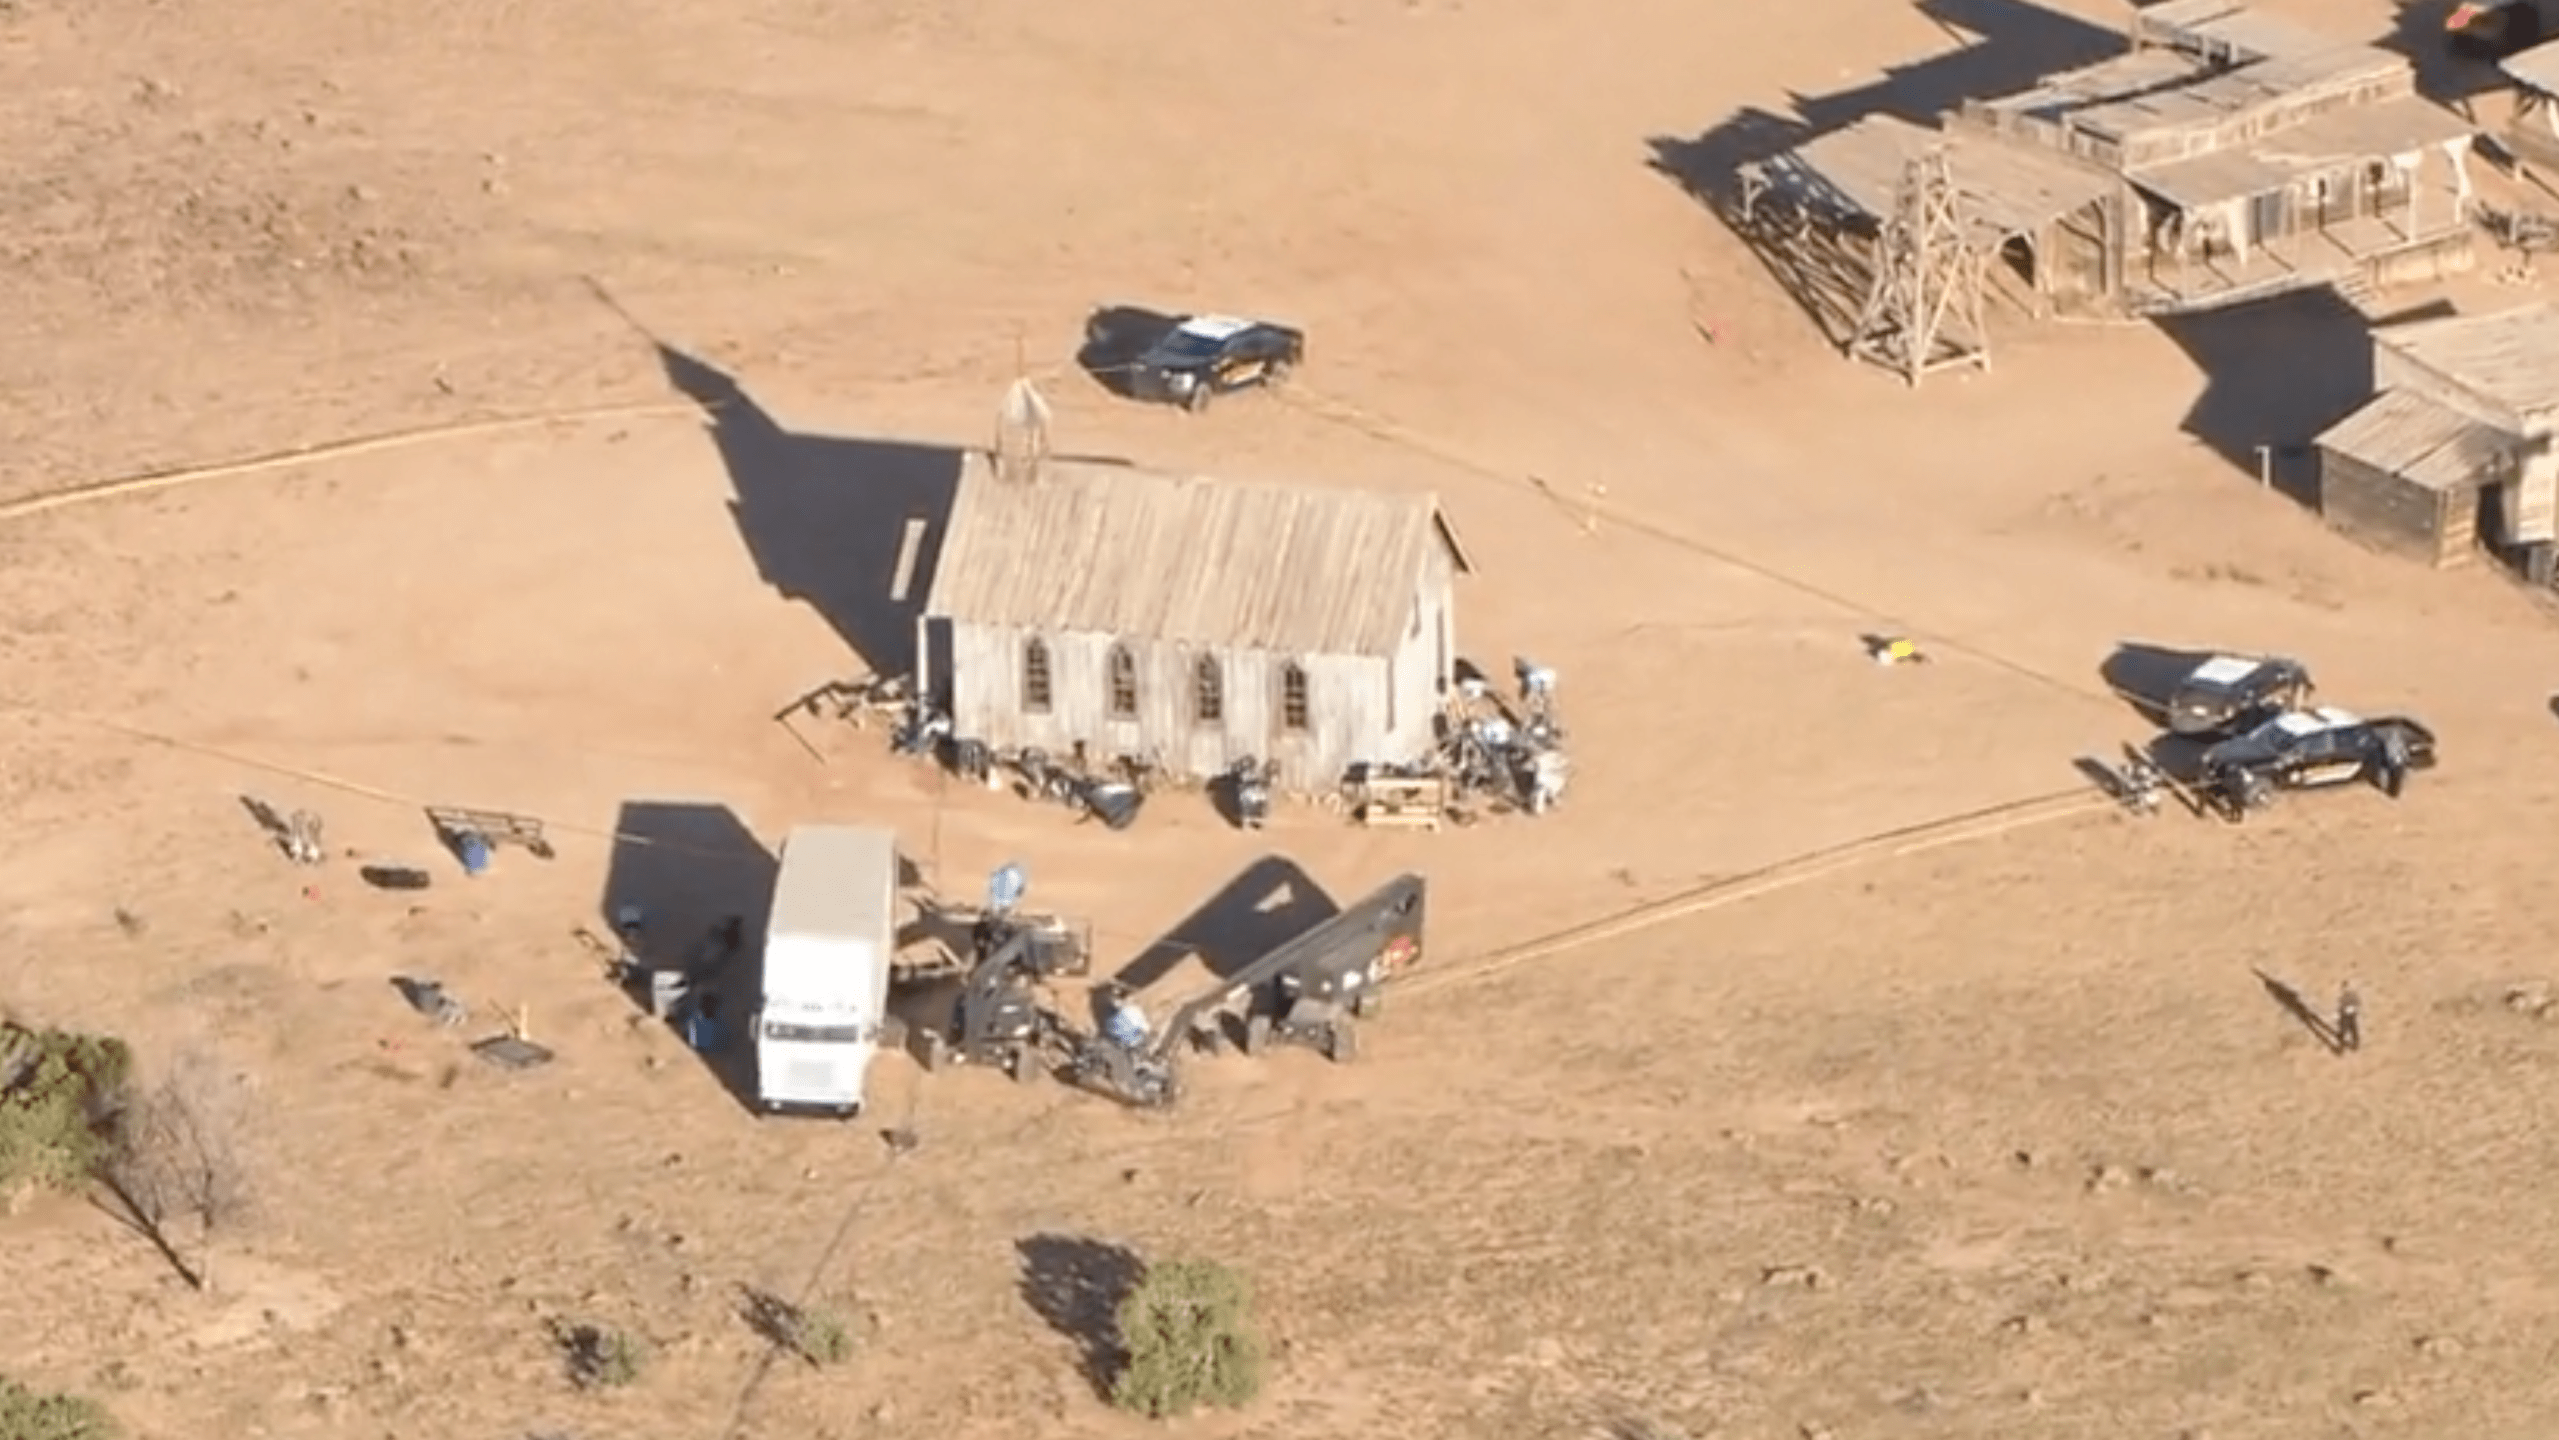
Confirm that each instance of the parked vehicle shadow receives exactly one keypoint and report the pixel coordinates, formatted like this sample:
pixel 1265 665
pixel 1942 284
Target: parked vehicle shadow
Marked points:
pixel 700 883
pixel 2146 675
pixel 1271 902
pixel 2179 757
pixel 2108 780
pixel 1077 1285
pixel 849 527
pixel 2445 75
pixel 1114 336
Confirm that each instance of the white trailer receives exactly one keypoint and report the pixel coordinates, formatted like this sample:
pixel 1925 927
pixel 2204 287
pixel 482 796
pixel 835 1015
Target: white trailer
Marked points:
pixel 827 950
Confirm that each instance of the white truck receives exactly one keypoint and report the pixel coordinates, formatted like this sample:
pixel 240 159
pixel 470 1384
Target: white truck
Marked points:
pixel 827 950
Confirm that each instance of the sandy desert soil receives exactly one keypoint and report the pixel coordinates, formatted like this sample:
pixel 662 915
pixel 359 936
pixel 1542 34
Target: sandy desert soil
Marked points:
pixel 2004 1139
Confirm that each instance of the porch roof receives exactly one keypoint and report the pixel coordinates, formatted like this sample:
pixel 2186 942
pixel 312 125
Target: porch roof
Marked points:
pixel 2431 446
pixel 2322 145
pixel 2003 187
pixel 2536 69
pixel 2509 358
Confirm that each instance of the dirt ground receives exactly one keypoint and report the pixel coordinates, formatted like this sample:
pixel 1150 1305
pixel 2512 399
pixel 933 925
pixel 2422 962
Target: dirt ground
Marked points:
pixel 2003 1139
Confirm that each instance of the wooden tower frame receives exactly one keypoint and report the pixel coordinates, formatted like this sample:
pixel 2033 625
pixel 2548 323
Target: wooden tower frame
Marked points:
pixel 1923 312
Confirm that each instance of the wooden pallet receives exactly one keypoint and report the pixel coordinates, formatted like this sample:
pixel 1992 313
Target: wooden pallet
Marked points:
pixel 1403 802
pixel 497 827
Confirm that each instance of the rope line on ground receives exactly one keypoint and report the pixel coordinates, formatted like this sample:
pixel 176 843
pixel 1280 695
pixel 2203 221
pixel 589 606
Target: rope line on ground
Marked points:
pixel 1336 411
pixel 89 491
pixel 1981 824
pixel 325 781
pixel 1799 869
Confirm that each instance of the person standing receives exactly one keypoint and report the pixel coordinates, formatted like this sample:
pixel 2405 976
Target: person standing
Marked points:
pixel 2394 762
pixel 2350 1018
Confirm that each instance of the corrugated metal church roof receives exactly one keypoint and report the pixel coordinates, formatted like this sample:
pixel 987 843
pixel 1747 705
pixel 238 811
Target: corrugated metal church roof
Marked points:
pixel 1115 550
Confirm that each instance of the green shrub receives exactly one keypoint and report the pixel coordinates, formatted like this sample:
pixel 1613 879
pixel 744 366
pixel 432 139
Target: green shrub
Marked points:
pixel 816 1335
pixel 822 1337
pixel 26 1415
pixel 1189 1341
pixel 58 1093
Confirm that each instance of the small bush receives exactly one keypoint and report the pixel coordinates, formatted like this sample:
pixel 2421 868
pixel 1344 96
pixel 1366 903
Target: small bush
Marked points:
pixel 26 1415
pixel 601 1357
pixel 58 1094
pixel 1189 1341
pixel 818 1336
pixel 822 1338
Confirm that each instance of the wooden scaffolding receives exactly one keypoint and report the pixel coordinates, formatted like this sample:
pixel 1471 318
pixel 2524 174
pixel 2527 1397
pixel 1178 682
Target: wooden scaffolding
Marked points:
pixel 1923 310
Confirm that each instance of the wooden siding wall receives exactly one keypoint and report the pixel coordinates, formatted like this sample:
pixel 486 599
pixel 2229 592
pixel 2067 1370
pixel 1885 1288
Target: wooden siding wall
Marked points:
pixel 2531 509
pixel 2073 263
pixel 2034 130
pixel 2160 147
pixel 2527 511
pixel 1360 709
pixel 2097 149
pixel 1425 660
pixel 2184 142
pixel 2273 216
pixel 2436 526
pixel 2455 254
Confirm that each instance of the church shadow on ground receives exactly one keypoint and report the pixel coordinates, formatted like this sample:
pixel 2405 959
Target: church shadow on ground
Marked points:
pixel 849 527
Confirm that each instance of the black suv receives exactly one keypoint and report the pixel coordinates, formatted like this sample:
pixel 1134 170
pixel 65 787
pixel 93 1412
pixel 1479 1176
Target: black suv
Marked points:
pixel 1207 355
pixel 2313 749
pixel 2231 694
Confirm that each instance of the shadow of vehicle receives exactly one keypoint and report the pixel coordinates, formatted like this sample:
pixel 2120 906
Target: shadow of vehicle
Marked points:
pixel 849 527
pixel 2446 74
pixel 1076 1285
pixel 700 883
pixel 1114 337
pixel 1269 903
pixel 2146 676
pixel 2179 757
pixel 2108 780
